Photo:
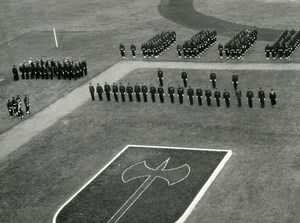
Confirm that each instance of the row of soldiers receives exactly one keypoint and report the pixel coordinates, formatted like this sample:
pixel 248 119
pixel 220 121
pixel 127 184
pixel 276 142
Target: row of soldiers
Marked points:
pixel 142 91
pixel 14 106
pixel 66 68
pixel 237 47
pixel 197 44
pixel 284 46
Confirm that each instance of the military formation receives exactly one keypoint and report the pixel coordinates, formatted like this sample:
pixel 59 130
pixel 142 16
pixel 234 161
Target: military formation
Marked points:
pixel 15 107
pixel 140 92
pixel 197 44
pixel 239 45
pixel 42 68
pixel 284 46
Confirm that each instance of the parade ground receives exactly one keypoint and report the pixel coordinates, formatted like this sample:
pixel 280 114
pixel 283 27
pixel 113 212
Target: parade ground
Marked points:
pixel 77 160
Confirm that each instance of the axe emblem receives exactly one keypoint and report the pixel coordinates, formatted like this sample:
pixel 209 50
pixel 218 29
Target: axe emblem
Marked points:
pixel 139 170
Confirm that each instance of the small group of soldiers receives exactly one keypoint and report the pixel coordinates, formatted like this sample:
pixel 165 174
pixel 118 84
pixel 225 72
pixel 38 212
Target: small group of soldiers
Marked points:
pixel 43 68
pixel 122 50
pixel 284 46
pixel 14 106
pixel 197 45
pixel 237 47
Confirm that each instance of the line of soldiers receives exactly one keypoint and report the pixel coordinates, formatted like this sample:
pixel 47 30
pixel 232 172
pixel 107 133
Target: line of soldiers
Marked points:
pixel 43 68
pixel 284 46
pixel 237 47
pixel 14 106
pixel 142 90
pixel 197 44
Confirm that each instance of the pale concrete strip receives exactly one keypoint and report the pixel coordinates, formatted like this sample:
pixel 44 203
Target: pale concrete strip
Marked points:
pixel 26 130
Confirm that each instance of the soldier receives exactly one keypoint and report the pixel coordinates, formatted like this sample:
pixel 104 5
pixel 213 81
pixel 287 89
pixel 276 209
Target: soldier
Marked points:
pixel 122 91
pixel 84 65
pixel 238 94
pixel 272 97
pixel 137 91
pixel 220 48
pixel 208 96
pixel 179 50
pixel 226 97
pixel 267 51
pixel 261 97
pixel 217 95
pixel 161 94
pixel 235 81
pixel 15 106
pixel 27 104
pixel 15 73
pixel 250 97
pixel 10 109
pixel 133 50
pixel 160 76
pixel 122 50
pixel 184 78
pixel 92 91
pixel 152 92
pixel 199 95
pixel 180 93
pixel 190 93
pixel 171 92
pixel 22 71
pixel 213 79
pixel 107 90
pixel 129 90
pixel 20 110
pixel 115 91
pixel 99 90
pixel 145 92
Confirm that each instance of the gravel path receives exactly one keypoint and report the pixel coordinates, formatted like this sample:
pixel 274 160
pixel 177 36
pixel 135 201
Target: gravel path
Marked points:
pixel 26 130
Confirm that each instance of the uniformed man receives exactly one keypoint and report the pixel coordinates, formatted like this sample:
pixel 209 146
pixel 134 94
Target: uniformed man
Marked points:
pixel 226 97
pixel 161 94
pixel 250 97
pixel 27 104
pixel 184 78
pixel 122 91
pixel 129 90
pixel 238 94
pixel 99 90
pixel 84 65
pixel 217 96
pixel 213 79
pixel 145 92
pixel 107 90
pixel 115 91
pixel 179 50
pixel 15 106
pixel 92 91
pixel 273 98
pixel 171 92
pixel 190 93
pixel 208 96
pixel 10 109
pixel 133 50
pixel 199 95
pixel 235 81
pixel 180 93
pixel 152 92
pixel 160 76
pixel 220 48
pixel 261 97
pixel 15 73
pixel 20 110
pixel 122 50
pixel 137 91
pixel 267 51
pixel 22 71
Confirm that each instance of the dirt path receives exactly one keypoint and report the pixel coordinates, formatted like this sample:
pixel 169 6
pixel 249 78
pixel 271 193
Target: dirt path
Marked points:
pixel 26 130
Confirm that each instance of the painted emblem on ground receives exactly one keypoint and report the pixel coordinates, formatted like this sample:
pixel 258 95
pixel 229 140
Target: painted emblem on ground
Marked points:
pixel 145 184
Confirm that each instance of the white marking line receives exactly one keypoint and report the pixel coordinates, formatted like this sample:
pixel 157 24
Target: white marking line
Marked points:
pixel 1 79
pixel 47 117
pixel 196 199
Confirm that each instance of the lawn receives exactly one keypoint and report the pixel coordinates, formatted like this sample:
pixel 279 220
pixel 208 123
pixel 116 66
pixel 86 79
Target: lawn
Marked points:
pixel 260 183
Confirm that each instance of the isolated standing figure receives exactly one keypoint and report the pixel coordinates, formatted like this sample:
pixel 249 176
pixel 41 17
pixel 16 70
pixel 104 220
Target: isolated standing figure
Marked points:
pixel 213 79
pixel 250 97
pixel 160 76
pixel 92 91
pixel 122 50
pixel 107 90
pixel 184 78
pixel 27 104
pixel 273 98
pixel 235 81
pixel 99 90
pixel 261 97
pixel 15 73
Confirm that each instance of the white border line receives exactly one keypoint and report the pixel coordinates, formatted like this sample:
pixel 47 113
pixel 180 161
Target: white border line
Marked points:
pixel 198 197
